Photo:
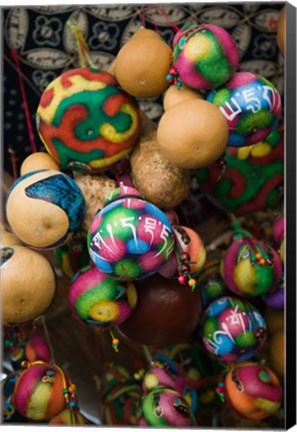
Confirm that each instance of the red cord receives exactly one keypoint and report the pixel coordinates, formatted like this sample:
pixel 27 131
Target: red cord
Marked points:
pixel 142 16
pixel 154 20
pixel 15 57
pixel 173 25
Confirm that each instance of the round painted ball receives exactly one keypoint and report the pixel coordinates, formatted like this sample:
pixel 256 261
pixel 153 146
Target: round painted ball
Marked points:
pixel 141 66
pixel 44 208
pixel 251 268
pixel 164 407
pixel 251 180
pixel 130 238
pixel 253 390
pixel 38 161
pixel 251 106
pixel 166 312
pixel 99 300
pixel 28 284
pixel 39 392
pixel 188 142
pixel 232 330
pixel 86 121
pixel 204 56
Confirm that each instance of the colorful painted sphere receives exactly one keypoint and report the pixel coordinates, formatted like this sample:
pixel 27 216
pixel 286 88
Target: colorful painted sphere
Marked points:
pixel 99 300
pixel 39 392
pixel 163 407
pixel 86 121
pixel 44 208
pixel 130 238
pixel 251 180
pixel 251 268
pixel 251 105
pixel 253 390
pixel 205 56
pixel 232 330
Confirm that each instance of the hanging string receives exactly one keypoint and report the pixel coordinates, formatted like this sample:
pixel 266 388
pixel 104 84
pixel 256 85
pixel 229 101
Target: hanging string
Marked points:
pixel 142 15
pixel 162 12
pixel 82 46
pixel 154 20
pixel 15 58
pixel 48 339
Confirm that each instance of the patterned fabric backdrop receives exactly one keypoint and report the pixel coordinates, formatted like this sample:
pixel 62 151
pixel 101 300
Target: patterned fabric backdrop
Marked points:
pixel 46 48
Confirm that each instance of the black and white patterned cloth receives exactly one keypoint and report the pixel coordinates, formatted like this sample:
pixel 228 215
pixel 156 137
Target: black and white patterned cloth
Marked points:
pixel 46 48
